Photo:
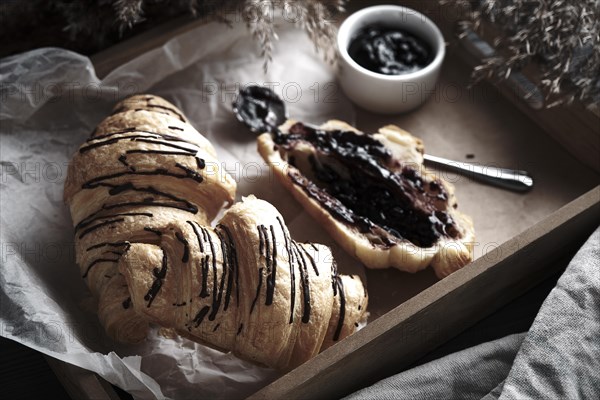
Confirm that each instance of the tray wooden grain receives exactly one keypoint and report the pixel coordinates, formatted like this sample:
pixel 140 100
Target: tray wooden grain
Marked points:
pixel 420 314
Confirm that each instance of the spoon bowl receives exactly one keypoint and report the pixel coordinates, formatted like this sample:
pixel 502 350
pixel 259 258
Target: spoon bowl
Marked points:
pixel 260 109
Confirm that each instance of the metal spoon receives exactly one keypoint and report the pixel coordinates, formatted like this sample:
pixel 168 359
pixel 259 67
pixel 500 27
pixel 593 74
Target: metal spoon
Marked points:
pixel 261 110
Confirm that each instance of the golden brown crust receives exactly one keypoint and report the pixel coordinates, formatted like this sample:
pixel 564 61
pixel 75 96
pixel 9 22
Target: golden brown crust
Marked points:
pixel 445 256
pixel 125 184
pixel 246 287
pixel 142 192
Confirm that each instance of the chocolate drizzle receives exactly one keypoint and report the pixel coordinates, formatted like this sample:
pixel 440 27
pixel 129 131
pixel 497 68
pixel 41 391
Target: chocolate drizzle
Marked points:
pixel 270 260
pixel 159 276
pixel 119 132
pixel 338 287
pixel 92 183
pixel 203 261
pixel 151 230
pixel 268 250
pixel 232 265
pixel 126 303
pixel 261 241
pixel 215 300
pixel 98 261
pixel 200 316
pixel 123 160
pixel 93 218
pixel 369 193
pixel 162 152
pixel 312 260
pixel 149 134
pixel 269 267
pixel 186 251
pixel 204 266
pixel 148 107
pixel 140 138
pixel 258 287
pixel 305 284
pixel 109 244
pixel 179 203
pixel 100 225
pixel 190 173
pixel 273 278
pixel 292 269
pixel 170 109
pixel 224 273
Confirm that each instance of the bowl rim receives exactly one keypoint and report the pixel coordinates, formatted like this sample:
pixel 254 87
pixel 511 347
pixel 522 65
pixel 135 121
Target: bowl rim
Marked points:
pixel 354 18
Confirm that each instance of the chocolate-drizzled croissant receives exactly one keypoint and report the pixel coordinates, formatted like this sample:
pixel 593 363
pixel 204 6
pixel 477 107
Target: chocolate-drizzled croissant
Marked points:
pixel 245 286
pixel 142 192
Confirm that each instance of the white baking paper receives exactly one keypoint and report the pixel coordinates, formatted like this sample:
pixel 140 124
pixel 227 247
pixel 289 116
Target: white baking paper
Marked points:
pixel 51 99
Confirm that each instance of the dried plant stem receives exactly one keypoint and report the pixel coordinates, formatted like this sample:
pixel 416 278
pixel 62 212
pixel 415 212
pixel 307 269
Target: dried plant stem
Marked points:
pixel 91 25
pixel 562 37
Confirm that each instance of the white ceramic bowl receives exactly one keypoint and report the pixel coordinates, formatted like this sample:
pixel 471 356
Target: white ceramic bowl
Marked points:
pixel 389 94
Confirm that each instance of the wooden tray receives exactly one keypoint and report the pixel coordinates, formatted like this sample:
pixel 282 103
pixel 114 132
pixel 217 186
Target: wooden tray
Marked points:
pixel 519 235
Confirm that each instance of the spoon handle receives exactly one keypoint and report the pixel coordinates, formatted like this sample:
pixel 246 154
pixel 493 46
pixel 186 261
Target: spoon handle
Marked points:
pixel 516 180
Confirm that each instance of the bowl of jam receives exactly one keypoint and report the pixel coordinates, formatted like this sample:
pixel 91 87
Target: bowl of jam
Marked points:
pixel 390 58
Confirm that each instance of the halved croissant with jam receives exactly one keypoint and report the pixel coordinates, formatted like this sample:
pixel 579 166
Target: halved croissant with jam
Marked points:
pixel 142 192
pixel 372 194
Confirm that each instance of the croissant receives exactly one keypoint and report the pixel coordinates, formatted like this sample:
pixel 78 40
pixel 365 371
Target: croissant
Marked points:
pixel 142 192
pixel 372 194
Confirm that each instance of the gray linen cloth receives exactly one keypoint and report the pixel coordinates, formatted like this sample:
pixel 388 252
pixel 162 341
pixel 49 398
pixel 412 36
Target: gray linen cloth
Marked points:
pixel 559 358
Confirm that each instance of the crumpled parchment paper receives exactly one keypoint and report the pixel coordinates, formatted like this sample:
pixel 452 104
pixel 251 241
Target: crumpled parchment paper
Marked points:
pixel 51 99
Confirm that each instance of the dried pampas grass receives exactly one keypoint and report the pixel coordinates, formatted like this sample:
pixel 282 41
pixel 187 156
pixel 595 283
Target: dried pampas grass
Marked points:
pixel 88 26
pixel 562 37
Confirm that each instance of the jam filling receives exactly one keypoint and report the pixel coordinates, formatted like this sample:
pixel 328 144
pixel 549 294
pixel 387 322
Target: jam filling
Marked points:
pixel 352 179
pixel 389 51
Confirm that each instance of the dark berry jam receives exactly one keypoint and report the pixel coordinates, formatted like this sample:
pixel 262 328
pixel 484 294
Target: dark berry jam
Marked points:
pixel 363 191
pixel 389 51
